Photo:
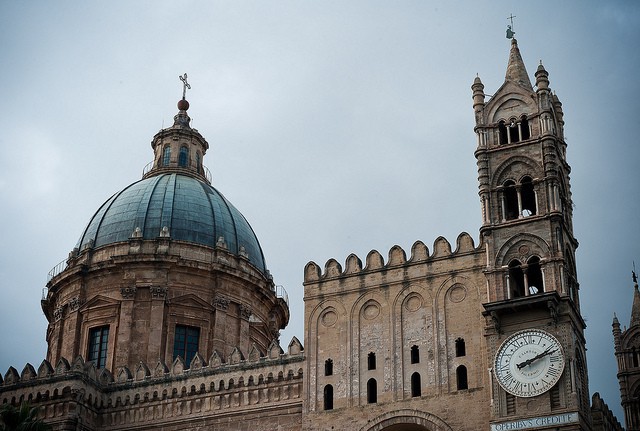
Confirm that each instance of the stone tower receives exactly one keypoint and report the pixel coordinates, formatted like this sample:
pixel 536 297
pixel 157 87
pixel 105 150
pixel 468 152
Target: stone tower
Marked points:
pixel 627 348
pixel 533 303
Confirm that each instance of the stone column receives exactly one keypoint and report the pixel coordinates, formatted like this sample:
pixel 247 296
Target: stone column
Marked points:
pixel 123 337
pixel 157 330
pixel 219 335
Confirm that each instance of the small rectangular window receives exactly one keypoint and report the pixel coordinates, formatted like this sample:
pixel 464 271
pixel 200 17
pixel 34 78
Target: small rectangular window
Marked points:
pixel 98 343
pixel 185 343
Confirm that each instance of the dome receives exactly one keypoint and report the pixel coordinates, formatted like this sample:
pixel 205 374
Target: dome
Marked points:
pixel 189 208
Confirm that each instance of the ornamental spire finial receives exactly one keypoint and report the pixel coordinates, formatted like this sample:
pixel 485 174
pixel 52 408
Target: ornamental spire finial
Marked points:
pixel 510 32
pixel 185 85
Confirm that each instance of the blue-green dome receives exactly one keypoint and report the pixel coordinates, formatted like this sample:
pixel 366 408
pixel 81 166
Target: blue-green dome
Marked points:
pixel 191 209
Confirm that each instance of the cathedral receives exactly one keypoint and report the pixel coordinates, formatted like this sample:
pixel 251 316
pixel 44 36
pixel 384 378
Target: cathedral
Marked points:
pixel 165 315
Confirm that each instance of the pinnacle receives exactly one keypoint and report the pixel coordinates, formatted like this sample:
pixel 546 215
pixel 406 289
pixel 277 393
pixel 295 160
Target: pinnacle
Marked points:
pixel 516 71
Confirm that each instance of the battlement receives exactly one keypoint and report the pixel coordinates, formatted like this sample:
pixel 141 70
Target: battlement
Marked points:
pixel 397 258
pixel 233 374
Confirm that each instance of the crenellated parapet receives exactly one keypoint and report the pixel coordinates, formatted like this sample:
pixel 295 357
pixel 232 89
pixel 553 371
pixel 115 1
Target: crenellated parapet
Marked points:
pixel 152 393
pixel 397 257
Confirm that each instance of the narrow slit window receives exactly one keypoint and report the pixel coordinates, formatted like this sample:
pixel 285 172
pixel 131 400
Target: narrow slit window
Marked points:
pixel 371 361
pixel 328 367
pixel 415 354
pixel 460 347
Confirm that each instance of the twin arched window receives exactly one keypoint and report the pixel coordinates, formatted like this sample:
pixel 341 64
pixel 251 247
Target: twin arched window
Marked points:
pixel 519 200
pixel 525 280
pixel 515 131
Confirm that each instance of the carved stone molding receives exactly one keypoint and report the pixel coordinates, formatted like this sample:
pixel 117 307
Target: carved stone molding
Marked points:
pixel 221 302
pixel 75 303
pixel 245 311
pixel 57 313
pixel 128 292
pixel 158 292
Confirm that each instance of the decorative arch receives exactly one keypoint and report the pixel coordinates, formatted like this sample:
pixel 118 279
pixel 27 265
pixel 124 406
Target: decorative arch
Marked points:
pixel 421 421
pixel 501 107
pixel 522 247
pixel 516 168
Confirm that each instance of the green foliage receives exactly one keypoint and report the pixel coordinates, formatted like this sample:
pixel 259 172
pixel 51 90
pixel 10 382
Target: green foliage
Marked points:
pixel 23 418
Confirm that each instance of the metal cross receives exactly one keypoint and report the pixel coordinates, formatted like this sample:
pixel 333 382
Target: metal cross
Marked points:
pixel 185 85
pixel 511 18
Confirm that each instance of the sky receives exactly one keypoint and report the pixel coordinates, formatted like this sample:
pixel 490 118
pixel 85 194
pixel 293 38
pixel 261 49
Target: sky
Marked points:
pixel 335 127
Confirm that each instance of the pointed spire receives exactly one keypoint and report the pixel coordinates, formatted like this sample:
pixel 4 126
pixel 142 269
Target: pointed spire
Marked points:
pixel 635 308
pixel 516 72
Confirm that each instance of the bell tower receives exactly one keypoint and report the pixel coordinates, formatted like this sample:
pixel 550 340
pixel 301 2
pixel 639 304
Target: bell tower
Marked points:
pixel 534 327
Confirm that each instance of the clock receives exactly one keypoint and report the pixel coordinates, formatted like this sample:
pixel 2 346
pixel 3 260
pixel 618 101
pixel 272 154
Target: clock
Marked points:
pixel 529 363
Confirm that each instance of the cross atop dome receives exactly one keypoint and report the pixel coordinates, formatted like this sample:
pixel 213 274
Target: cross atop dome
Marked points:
pixel 183 105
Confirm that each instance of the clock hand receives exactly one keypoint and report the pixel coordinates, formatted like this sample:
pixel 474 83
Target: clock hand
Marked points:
pixel 535 358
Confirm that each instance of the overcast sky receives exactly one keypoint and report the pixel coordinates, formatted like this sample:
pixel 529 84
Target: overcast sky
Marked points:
pixel 335 128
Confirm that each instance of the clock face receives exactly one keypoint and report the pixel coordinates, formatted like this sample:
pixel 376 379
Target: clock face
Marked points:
pixel 529 363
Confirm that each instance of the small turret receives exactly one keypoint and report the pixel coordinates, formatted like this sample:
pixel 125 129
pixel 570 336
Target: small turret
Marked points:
pixel 635 308
pixel 542 78
pixel 616 332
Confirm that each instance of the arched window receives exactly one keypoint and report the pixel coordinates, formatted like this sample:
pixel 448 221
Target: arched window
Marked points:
pixel 415 354
pixel 461 377
pixel 198 166
pixel 535 283
pixel 328 367
pixel 371 361
pixel 460 347
pixel 510 201
pixel 528 196
pixel 514 134
pixel 372 391
pixel 166 156
pixel 183 158
pixel 634 357
pixel 328 397
pixel 524 128
pixel 416 386
pixel 502 133
pixel 516 279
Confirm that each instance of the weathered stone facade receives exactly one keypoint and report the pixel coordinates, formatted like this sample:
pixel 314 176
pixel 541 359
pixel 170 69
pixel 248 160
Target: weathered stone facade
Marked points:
pixel 167 269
